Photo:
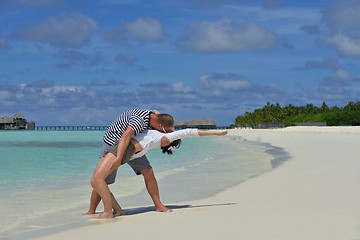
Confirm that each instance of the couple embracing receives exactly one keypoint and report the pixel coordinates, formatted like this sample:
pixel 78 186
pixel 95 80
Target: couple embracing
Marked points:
pixel 126 140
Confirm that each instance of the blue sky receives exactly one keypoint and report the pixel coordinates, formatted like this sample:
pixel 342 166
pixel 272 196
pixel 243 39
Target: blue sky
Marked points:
pixel 82 62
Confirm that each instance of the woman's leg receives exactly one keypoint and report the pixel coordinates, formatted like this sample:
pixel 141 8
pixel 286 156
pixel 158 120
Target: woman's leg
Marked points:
pixel 117 210
pixel 101 187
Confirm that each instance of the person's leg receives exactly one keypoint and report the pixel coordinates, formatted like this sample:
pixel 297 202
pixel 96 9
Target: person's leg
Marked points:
pixel 101 187
pixel 110 179
pixel 153 189
pixel 95 197
pixel 117 210
pixel 142 166
pixel 94 202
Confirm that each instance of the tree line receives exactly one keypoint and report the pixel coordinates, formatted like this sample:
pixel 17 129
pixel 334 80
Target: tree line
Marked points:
pixel 274 113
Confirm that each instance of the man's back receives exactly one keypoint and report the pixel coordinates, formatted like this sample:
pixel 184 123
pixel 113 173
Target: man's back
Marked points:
pixel 138 119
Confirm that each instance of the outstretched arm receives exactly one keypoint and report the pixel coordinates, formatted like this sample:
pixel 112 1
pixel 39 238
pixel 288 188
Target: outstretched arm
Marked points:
pixel 189 133
pixel 211 132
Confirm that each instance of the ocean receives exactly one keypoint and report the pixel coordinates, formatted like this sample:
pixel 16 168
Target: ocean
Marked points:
pixel 45 175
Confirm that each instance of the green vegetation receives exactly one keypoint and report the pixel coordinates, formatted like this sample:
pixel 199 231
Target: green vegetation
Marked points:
pixel 274 113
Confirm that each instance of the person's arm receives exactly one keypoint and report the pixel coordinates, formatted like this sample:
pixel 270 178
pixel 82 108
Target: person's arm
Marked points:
pixel 189 133
pixel 122 146
pixel 211 133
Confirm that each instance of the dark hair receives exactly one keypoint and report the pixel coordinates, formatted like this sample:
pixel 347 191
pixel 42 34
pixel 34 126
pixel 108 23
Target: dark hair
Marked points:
pixel 166 120
pixel 175 144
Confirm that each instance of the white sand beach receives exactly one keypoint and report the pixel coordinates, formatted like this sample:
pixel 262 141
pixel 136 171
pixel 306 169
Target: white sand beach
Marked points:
pixel 312 196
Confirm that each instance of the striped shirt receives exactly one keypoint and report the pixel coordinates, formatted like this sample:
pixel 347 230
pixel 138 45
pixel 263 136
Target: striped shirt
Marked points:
pixel 137 119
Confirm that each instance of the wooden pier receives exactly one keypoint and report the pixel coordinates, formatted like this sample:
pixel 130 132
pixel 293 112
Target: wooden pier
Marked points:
pixel 70 128
pixel 97 128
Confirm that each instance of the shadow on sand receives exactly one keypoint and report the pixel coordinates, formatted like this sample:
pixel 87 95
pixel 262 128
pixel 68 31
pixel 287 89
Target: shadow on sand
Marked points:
pixel 140 210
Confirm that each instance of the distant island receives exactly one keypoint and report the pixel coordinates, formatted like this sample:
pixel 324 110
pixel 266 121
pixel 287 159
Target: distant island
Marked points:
pixel 275 116
pixel 16 122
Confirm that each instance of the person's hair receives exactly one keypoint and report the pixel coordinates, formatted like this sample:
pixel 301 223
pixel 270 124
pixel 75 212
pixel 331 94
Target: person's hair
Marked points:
pixel 166 120
pixel 175 144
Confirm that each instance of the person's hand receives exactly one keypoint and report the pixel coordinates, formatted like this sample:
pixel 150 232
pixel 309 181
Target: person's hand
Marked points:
pixel 115 165
pixel 165 141
pixel 222 133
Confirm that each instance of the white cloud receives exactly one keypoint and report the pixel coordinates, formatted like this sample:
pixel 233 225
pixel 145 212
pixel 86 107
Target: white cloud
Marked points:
pixel 145 29
pixel 66 30
pixel 226 36
pixel 342 23
pixel 344 45
pixel 181 88
pixel 223 82
pixel 162 93
pixel 142 29
pixel 227 87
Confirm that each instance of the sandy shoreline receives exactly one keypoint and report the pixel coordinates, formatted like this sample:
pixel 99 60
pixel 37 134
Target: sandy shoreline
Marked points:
pixel 314 195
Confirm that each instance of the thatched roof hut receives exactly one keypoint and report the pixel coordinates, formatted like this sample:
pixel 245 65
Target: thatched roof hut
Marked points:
pixel 196 123
pixel 15 122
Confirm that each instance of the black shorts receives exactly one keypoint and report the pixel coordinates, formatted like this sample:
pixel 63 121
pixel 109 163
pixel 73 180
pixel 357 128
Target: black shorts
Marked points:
pixel 137 164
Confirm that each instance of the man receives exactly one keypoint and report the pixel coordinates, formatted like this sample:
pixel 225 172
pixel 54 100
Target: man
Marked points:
pixel 124 127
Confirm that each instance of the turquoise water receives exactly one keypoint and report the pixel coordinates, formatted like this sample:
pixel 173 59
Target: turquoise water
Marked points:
pixel 44 175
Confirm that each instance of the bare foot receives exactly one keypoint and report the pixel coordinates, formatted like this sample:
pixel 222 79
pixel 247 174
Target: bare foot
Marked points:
pixel 163 208
pixel 120 213
pixel 105 215
pixel 89 213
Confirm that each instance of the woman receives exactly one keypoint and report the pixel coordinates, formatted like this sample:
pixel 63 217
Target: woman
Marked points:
pixel 138 146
